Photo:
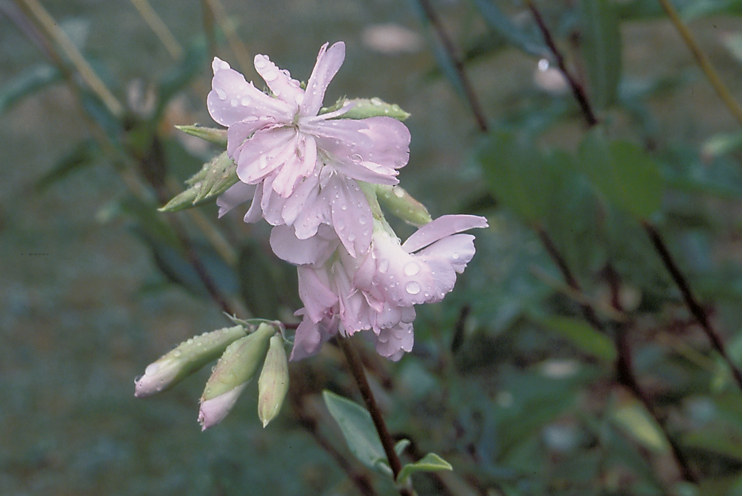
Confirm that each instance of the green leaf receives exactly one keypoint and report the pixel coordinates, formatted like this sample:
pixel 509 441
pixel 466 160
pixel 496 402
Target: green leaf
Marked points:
pixel 498 22
pixel 82 155
pixel 357 427
pixel 517 175
pixel 27 82
pixel 623 172
pixel 429 463
pixel 401 446
pixel 601 46
pixel 634 419
pixel 582 336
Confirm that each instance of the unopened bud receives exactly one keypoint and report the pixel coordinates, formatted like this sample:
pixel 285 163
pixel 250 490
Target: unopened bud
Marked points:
pixel 185 359
pixel 273 382
pixel 402 205
pixel 233 372
pixel 211 134
pixel 213 179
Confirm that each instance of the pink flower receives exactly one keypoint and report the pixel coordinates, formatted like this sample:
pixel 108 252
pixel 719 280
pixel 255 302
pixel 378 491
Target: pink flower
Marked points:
pixel 293 155
pixel 376 292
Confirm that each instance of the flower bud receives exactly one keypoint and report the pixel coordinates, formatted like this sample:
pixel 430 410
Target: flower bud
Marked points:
pixel 364 108
pixel 273 382
pixel 402 205
pixel 185 359
pixel 233 372
pixel 211 134
pixel 214 178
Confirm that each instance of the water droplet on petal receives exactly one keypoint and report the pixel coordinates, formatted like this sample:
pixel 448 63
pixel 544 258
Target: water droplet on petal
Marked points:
pixel 270 76
pixel 234 102
pixel 260 61
pixel 177 353
pixel 277 91
pixel 221 94
pixel 455 256
pixel 299 98
pixel 411 268
pixel 152 368
pixel 343 207
pixel 362 220
pixel 245 101
pixel 223 65
pixel 383 266
pixel 352 237
pixel 412 287
pixel 357 159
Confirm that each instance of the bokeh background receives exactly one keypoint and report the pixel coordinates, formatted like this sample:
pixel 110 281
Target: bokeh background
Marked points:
pixel 89 295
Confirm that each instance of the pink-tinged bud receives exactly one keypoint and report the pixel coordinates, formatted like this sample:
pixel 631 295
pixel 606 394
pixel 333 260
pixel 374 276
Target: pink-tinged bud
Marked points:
pixel 233 372
pixel 273 383
pixel 185 359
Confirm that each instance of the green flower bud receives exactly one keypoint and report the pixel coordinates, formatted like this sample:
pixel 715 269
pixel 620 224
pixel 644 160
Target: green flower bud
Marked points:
pixel 185 359
pixel 273 383
pixel 364 108
pixel 402 205
pixel 233 372
pixel 211 134
pixel 214 178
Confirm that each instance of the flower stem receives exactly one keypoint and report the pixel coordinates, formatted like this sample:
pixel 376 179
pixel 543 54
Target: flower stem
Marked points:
pixel 577 89
pixel 356 369
pixel 695 308
pixel 702 60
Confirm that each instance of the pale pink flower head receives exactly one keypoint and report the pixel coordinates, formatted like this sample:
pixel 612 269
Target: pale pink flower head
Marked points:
pixel 282 137
pixel 378 291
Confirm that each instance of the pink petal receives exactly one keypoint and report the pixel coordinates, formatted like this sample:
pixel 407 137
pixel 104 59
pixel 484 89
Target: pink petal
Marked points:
pixel 314 292
pixel 255 213
pixel 310 336
pixel 327 65
pixel 280 82
pixel 264 152
pixel 456 250
pixel 235 195
pixel 312 251
pixel 303 195
pixel 440 228
pixel 232 99
pixel 351 214
pixel 238 132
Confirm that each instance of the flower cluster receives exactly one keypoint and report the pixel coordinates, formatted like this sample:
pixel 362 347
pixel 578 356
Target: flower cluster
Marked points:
pixel 314 176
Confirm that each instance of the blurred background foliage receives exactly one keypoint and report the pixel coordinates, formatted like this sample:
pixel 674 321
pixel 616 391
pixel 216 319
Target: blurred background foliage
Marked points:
pixel 566 362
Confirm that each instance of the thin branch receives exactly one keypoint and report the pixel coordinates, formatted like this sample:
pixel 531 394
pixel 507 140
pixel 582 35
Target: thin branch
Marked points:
pixel 587 311
pixel 453 55
pixel 626 377
pixel 577 89
pixel 47 23
pixel 702 60
pixel 695 308
pixel 356 369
